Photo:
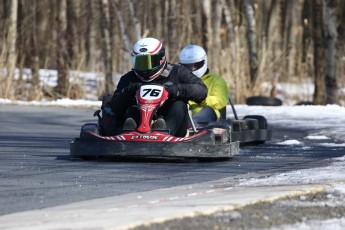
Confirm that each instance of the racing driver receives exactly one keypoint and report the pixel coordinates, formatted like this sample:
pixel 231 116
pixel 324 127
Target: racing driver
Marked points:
pixel 151 67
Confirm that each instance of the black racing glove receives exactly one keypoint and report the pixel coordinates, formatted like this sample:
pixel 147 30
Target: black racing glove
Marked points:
pixel 173 91
pixel 132 88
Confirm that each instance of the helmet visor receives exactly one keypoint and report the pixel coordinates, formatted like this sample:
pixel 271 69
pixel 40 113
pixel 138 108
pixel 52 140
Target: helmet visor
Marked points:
pixel 147 62
pixel 194 66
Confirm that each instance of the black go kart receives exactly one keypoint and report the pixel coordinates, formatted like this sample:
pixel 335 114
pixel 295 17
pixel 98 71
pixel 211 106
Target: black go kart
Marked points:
pixel 249 130
pixel 211 142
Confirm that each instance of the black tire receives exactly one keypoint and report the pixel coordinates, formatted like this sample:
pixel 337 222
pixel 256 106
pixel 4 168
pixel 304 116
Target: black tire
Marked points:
pixel 261 119
pixel 86 129
pixel 305 103
pixel 261 100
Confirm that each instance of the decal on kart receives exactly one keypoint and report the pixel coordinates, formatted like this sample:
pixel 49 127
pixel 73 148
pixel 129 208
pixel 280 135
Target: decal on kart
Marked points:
pixel 145 137
pixel 152 137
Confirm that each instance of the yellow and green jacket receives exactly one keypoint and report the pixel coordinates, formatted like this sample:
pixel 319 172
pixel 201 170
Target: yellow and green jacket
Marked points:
pixel 217 96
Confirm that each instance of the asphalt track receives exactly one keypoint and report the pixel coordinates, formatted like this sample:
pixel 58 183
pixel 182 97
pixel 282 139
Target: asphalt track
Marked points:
pixel 38 178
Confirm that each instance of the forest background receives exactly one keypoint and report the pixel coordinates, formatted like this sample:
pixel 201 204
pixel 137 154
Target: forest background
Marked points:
pixel 254 44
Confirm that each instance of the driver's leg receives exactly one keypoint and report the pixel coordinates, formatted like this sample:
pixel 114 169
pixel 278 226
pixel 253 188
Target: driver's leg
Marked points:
pixel 205 116
pixel 176 117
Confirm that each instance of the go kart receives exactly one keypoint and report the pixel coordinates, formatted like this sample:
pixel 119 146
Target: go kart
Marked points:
pixel 250 130
pixel 211 142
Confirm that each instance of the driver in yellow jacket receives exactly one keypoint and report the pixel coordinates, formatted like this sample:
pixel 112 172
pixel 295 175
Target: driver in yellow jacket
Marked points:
pixel 194 58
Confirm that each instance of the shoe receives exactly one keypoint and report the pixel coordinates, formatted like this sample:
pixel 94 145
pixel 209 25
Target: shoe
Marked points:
pixel 129 124
pixel 159 124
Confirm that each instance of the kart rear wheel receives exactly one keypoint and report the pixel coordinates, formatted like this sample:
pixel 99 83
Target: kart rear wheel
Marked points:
pixel 261 119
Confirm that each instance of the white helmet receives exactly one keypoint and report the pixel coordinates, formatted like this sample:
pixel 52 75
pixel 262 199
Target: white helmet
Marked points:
pixel 194 58
pixel 148 59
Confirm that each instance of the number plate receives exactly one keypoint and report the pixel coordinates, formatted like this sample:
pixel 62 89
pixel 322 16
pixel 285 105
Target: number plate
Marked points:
pixel 151 92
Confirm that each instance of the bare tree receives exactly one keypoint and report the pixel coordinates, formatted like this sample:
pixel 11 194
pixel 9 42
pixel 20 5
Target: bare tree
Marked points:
pixel 72 35
pixel 11 44
pixel 230 31
pixel 34 54
pixel 124 34
pixel 273 43
pixel 91 35
pixel 158 15
pixel 206 24
pixel 216 52
pixel 172 31
pixel 135 20
pixel 106 46
pixel 319 53
pixel 294 33
pixel 251 39
pixel 62 51
pixel 331 40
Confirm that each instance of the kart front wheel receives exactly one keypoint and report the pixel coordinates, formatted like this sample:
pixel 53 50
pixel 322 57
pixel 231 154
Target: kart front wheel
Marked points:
pixel 86 129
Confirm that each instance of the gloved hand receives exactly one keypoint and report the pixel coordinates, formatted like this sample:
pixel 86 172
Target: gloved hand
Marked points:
pixel 107 110
pixel 173 91
pixel 132 88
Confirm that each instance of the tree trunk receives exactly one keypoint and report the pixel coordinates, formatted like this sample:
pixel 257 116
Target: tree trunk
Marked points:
pixel 51 48
pixel 62 51
pixel 91 36
pixel 206 25
pixel 274 44
pixel 34 53
pixel 231 35
pixel 72 36
pixel 135 20
pixel 319 53
pixel 122 25
pixel 172 33
pixel 294 36
pixel 331 40
pixel 251 40
pixel 106 46
pixel 11 44
pixel 159 7
pixel 216 52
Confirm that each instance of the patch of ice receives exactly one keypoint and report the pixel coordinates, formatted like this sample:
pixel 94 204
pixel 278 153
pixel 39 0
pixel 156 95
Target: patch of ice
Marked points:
pixel 317 137
pixel 305 176
pixel 290 142
pixel 333 144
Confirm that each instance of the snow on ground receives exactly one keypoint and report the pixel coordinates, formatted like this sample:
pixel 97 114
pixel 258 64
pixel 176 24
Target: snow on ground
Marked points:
pixel 326 121
pixel 333 224
pixel 333 172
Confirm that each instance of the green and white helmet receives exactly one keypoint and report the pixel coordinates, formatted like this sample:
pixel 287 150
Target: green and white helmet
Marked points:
pixel 194 58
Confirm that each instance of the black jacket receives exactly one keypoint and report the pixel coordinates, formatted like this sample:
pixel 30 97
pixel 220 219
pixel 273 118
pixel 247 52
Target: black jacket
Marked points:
pixel 190 87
